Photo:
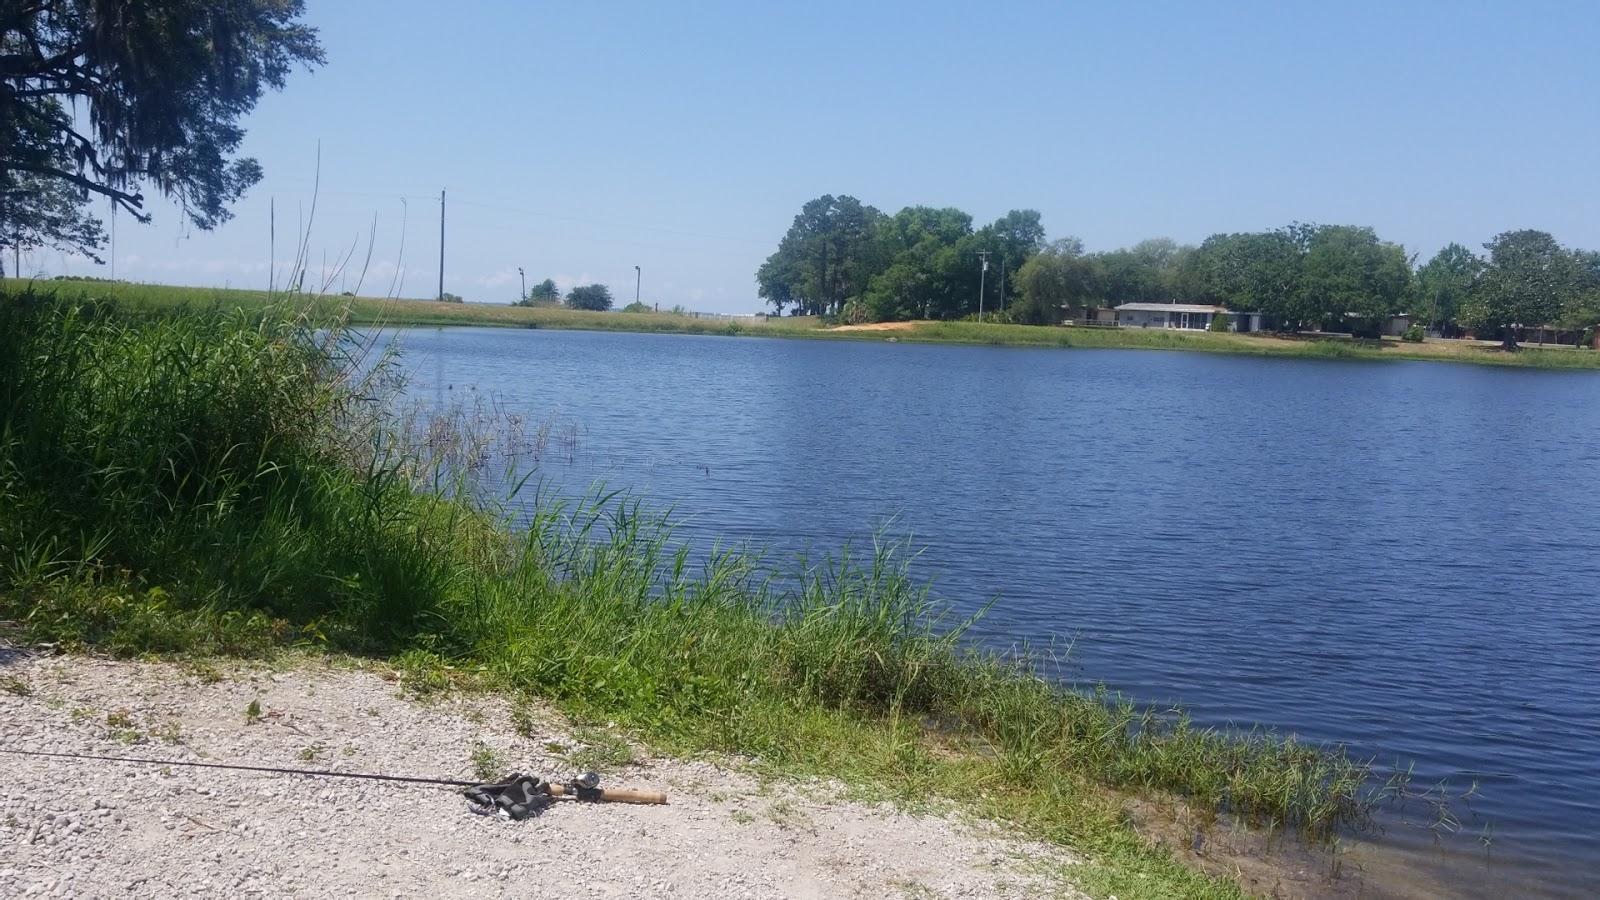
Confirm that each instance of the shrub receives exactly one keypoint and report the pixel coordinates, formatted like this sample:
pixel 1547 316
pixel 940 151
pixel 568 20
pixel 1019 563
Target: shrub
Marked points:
pixel 637 307
pixel 1219 323
pixel 1414 334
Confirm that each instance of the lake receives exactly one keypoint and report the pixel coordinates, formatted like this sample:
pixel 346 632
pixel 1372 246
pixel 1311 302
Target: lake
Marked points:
pixel 1401 557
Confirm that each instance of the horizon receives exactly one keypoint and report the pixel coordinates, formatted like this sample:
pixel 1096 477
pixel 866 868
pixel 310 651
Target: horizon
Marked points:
pixel 684 142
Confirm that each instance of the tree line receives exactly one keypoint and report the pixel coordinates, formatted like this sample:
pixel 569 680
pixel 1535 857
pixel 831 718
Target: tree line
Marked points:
pixel 845 259
pixel 595 297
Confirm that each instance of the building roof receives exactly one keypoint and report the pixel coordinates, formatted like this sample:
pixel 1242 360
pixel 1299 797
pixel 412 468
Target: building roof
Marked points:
pixel 1171 307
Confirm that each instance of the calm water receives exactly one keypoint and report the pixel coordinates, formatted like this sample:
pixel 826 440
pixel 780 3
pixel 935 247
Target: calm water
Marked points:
pixel 1402 557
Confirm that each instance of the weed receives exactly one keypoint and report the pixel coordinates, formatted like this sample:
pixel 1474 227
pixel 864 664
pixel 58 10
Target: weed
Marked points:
pixel 786 815
pixel 742 817
pixel 16 684
pixel 522 721
pixel 170 731
pixel 487 765
pixel 252 712
pixel 307 754
pixel 598 750
pixel 122 727
pixel 204 672
pixel 423 674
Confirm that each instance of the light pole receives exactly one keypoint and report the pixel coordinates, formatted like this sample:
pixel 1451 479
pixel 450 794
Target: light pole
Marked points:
pixel 984 256
pixel 638 279
pixel 524 284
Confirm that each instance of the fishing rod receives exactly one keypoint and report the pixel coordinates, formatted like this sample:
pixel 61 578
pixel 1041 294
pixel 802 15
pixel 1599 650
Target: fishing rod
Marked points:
pixel 517 796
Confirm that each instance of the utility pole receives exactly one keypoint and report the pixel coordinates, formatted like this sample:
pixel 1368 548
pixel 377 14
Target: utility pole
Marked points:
pixel 984 256
pixel 1002 282
pixel 524 284
pixel 441 244
pixel 638 279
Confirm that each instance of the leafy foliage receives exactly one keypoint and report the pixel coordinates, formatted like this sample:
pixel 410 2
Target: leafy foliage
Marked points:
pixel 1444 284
pixel 825 258
pixel 595 297
pixel 38 210
pixel 1057 279
pixel 1530 280
pixel 161 86
pixel 544 293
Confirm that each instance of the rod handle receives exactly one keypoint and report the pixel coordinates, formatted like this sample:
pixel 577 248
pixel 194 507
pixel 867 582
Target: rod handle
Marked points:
pixel 617 795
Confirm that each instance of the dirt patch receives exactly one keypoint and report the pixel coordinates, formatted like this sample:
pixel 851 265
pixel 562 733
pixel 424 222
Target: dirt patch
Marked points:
pixel 79 828
pixel 881 326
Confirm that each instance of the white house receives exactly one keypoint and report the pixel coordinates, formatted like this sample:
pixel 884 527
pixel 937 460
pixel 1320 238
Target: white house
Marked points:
pixel 1191 316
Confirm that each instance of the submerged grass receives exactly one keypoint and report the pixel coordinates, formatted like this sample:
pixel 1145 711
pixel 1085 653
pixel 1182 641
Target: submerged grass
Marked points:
pixel 228 482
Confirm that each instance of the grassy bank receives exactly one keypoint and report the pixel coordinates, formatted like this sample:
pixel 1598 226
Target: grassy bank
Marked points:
pixel 1241 344
pixel 226 483
pixel 369 310
pixel 166 299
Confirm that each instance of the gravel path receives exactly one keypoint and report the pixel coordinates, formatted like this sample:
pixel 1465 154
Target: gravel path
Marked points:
pixel 96 829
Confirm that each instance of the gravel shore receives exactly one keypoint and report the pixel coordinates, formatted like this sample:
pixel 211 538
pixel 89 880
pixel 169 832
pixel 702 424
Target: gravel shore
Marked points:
pixel 98 829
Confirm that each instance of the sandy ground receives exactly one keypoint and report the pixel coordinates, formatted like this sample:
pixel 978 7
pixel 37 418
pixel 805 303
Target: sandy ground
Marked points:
pixel 882 326
pixel 96 829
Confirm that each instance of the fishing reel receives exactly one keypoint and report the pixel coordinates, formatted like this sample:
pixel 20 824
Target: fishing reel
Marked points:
pixel 519 796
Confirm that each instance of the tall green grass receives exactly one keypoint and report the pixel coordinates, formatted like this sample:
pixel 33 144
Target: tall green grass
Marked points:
pixel 232 482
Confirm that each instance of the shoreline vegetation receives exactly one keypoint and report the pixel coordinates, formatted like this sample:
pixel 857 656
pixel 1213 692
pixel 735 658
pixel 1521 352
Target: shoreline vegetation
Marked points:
pixel 237 483
pixel 154 298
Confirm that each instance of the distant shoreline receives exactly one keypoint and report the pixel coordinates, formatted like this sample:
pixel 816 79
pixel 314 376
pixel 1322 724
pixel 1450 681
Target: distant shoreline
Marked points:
pixel 370 310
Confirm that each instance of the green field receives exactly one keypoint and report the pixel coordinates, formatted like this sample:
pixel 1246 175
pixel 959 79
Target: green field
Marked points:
pixel 370 310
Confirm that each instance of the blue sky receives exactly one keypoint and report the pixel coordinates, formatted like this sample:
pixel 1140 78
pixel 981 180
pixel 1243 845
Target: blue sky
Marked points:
pixel 578 140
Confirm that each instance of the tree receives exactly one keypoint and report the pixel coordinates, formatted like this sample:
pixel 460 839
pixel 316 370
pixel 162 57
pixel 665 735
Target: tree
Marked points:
pixel 37 210
pixel 545 293
pixel 1443 285
pixel 1012 240
pixel 1583 308
pixel 930 265
pixel 1351 277
pixel 1057 278
pixel 1530 280
pixel 1259 271
pixel 1147 272
pixel 155 90
pixel 590 296
pixel 826 257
